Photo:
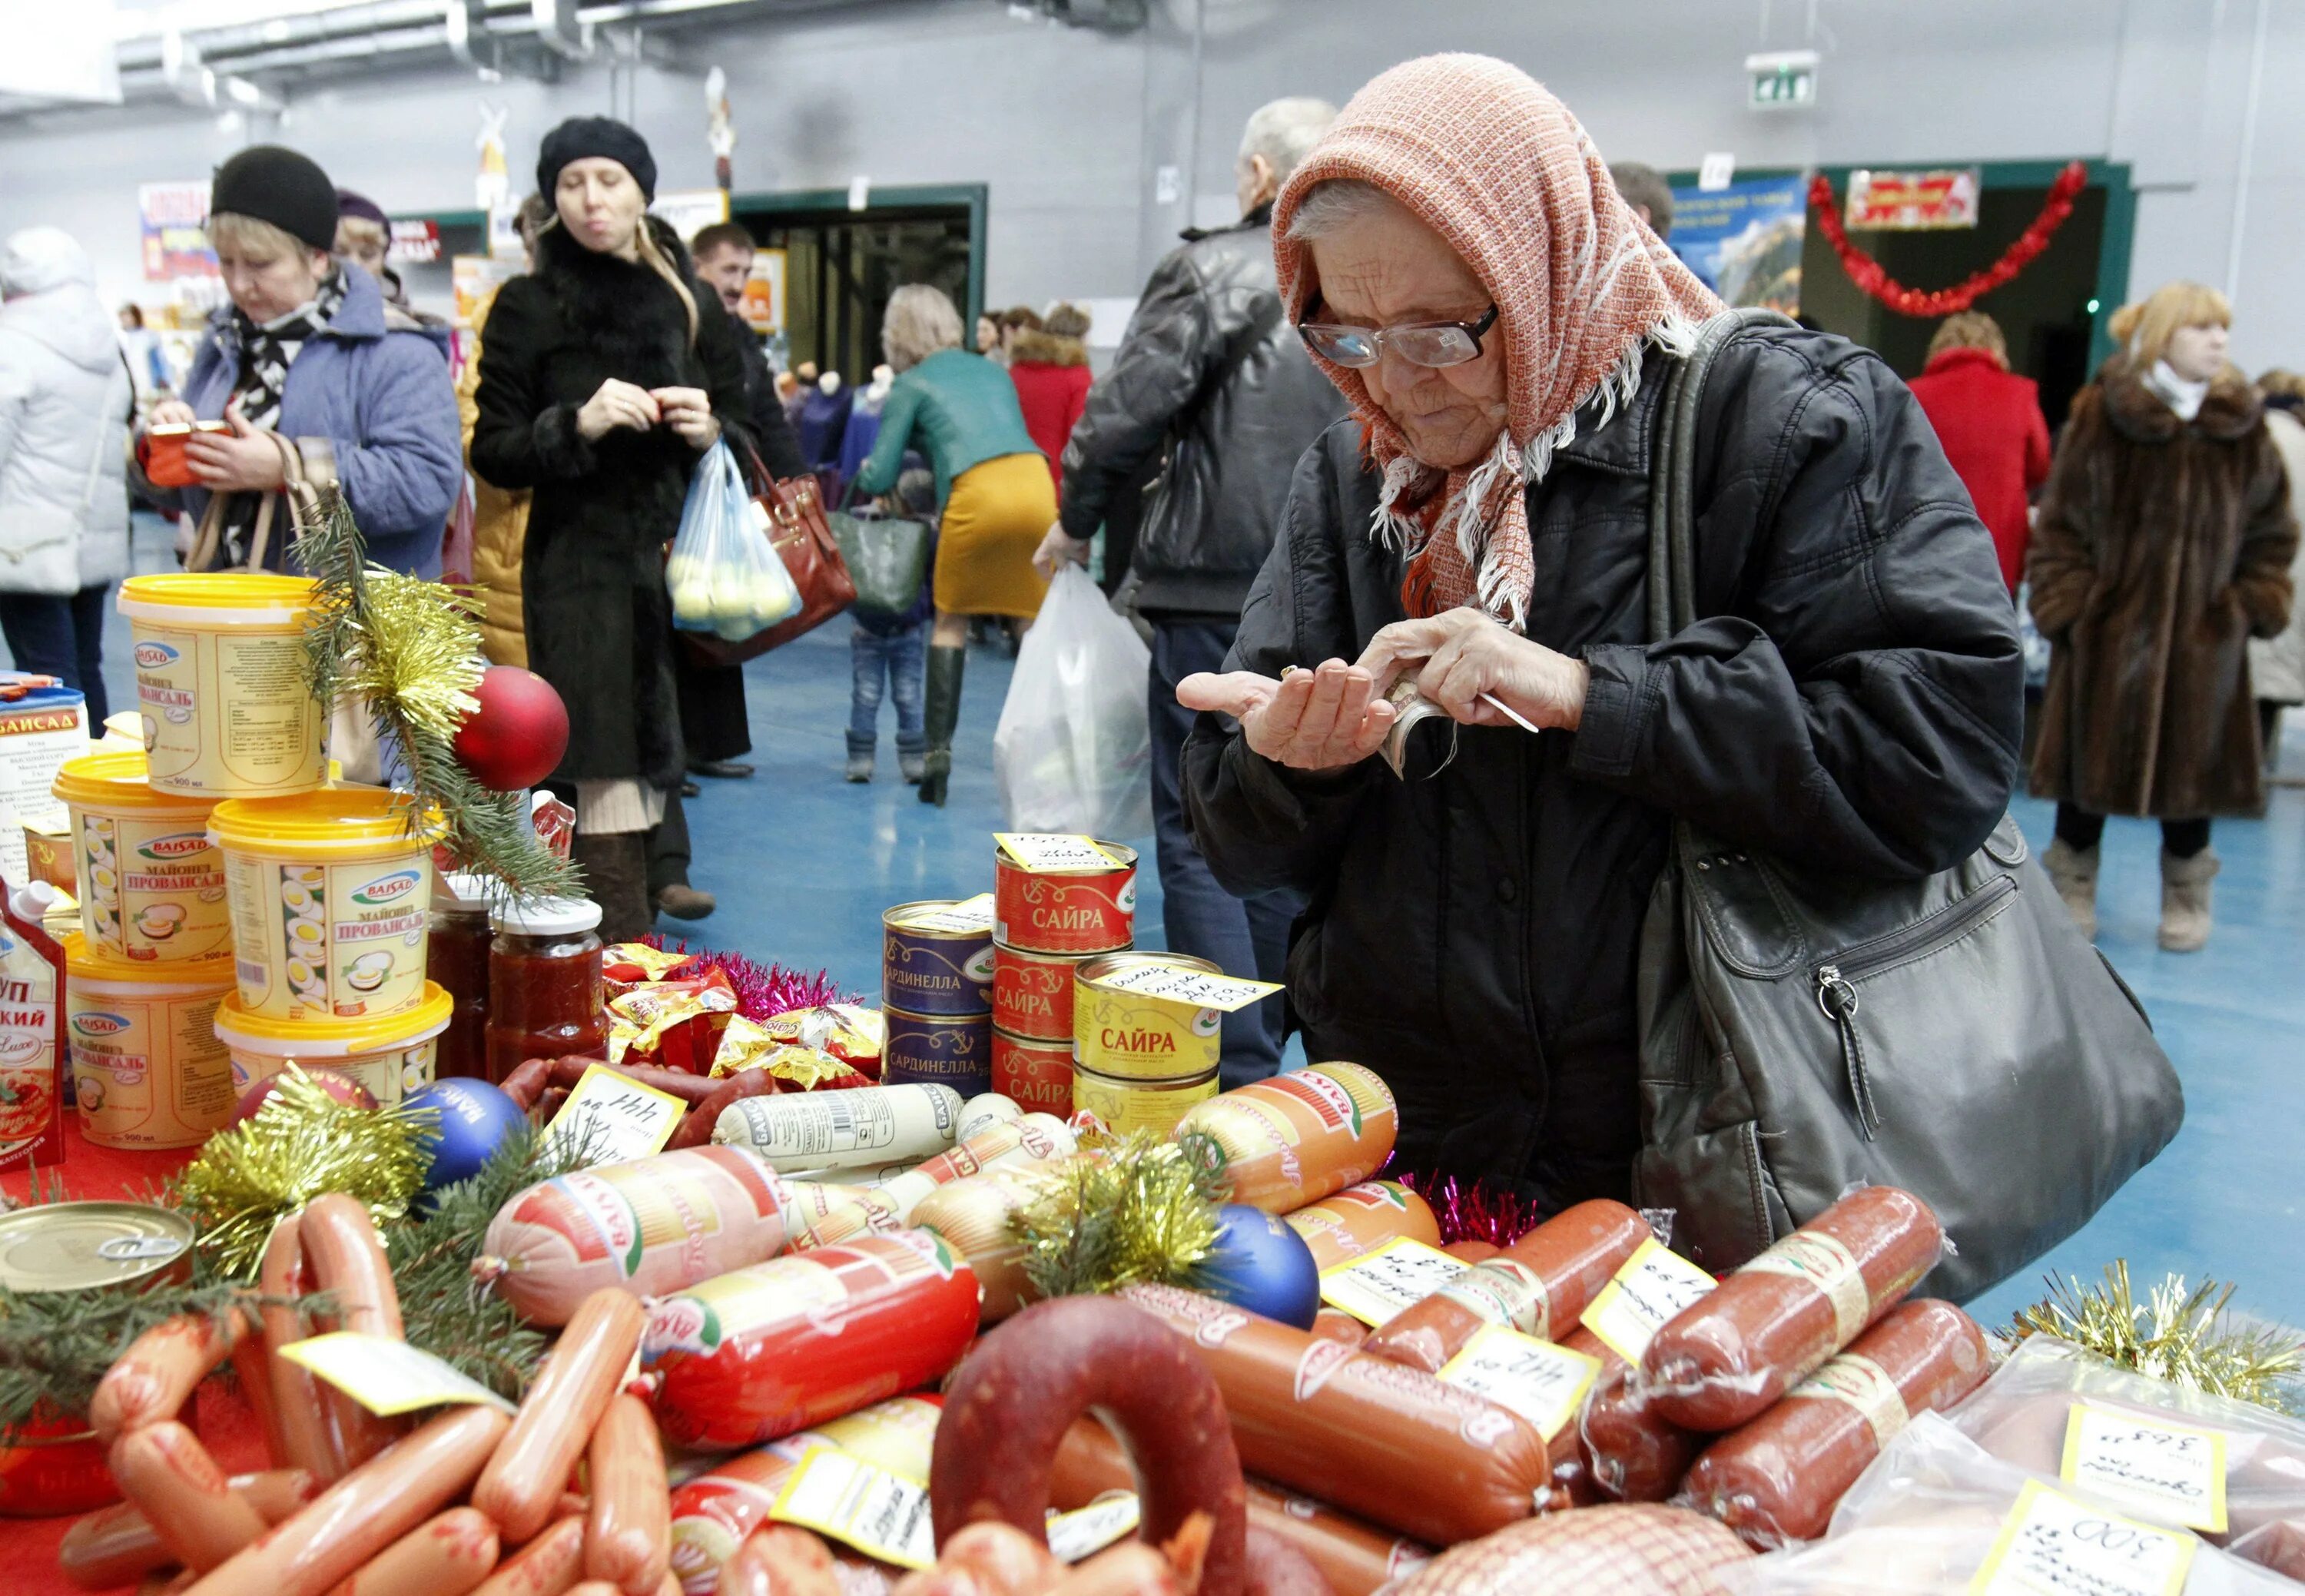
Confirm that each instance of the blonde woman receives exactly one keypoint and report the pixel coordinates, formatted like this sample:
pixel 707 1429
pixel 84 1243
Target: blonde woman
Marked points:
pixel 2162 546
pixel 606 372
pixel 1989 420
pixel 960 410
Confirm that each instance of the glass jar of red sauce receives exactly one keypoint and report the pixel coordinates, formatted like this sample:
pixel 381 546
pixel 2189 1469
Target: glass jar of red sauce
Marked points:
pixel 546 999
pixel 457 958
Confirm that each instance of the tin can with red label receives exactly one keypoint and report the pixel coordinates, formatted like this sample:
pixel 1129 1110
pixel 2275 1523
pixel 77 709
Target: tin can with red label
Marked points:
pixel 1032 994
pixel 1033 1073
pixel 938 1050
pixel 1068 911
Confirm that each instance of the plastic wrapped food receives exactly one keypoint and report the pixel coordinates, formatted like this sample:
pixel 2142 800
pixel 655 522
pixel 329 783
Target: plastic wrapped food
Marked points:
pixel 1625 1550
pixel 1361 1218
pixel 1298 1137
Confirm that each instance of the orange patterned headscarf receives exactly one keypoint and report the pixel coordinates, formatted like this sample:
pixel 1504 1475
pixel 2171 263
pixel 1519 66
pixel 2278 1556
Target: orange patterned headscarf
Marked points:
pixel 1481 153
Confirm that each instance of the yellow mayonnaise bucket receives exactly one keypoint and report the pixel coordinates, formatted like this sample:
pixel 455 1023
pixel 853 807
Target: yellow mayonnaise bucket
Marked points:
pixel 391 1057
pixel 329 893
pixel 147 1068
pixel 220 679
pixel 150 883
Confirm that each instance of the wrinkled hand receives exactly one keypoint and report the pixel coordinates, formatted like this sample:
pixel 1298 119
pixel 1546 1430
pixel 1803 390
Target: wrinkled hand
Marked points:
pixel 171 413
pixel 616 403
pixel 1322 720
pixel 1459 654
pixel 688 411
pixel 1055 550
pixel 243 460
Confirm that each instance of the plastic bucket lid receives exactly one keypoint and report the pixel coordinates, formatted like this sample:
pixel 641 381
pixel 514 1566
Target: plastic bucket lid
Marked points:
pixel 361 821
pixel 220 600
pixel 114 779
pixel 319 1037
pixel 93 968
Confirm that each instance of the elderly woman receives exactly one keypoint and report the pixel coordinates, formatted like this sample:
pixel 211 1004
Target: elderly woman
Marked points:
pixel 310 352
pixel 960 410
pixel 1459 261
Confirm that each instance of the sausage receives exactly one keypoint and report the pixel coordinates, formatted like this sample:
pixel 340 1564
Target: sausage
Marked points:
pixel 1390 1443
pixel 191 1507
pixel 1278 1566
pixel 1361 1218
pixel 527 1081
pixel 520 1487
pixel 114 1545
pixel 1634 1453
pixel 779 1560
pixel 448 1555
pixel 628 1531
pixel 308 1440
pixel 1539 1286
pixel 365 1511
pixel 1334 1324
pixel 346 1260
pixel 1769 1325
pixel 150 1381
pixel 972 1214
pixel 1006 1144
pixel 760 1353
pixel 2278 1544
pixel 695 1127
pixel 1009 1404
pixel 1623 1547
pixel 1472 1250
pixel 546 1566
pixel 1778 1479
pixel 252 1370
pixel 999 1558
pixel 1295 1138
pixel 646 1227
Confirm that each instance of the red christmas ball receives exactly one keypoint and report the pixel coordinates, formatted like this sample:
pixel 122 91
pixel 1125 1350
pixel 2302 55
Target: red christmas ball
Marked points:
pixel 519 732
pixel 343 1088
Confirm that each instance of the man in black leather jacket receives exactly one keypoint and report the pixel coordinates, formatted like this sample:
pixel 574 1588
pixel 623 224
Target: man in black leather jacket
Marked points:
pixel 1210 374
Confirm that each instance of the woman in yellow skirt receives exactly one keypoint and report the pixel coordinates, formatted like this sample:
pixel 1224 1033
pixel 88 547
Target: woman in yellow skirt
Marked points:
pixel 993 491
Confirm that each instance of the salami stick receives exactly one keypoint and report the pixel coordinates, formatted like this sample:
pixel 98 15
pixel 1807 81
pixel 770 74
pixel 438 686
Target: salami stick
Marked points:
pixel 695 1127
pixel 522 1484
pixel 114 1545
pixel 166 1472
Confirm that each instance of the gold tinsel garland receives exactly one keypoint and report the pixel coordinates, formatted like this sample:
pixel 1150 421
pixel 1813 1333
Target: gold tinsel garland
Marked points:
pixel 2176 1334
pixel 1141 1211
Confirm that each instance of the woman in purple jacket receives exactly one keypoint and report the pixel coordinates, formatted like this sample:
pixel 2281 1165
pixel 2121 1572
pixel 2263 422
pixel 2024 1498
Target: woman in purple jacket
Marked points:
pixel 310 352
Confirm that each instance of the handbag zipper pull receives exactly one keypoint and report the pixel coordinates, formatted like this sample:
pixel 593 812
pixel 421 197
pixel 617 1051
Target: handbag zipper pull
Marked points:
pixel 1838 1001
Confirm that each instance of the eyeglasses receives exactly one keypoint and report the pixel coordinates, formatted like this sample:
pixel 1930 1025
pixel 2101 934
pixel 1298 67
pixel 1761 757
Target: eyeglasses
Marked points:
pixel 1419 342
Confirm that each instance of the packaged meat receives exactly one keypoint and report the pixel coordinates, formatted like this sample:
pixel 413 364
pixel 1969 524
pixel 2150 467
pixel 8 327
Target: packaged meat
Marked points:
pixel 1768 1326
pixel 645 1228
pixel 1628 1550
pixel 1393 1444
pixel 192 1508
pixel 972 1214
pixel 548 1565
pixel 520 1487
pixel 1033 1139
pixel 114 1545
pixel 868 1127
pixel 819 1213
pixel 448 1555
pixel 1298 1137
pixel 1360 1218
pixel 150 1381
pixel 627 1521
pixel 759 1353
pixel 1635 1454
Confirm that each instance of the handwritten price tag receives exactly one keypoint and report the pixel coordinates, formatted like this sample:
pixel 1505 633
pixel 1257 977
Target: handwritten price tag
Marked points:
pixel 1541 1382
pixel 1379 1284
pixel 966 917
pixel 388 1376
pixel 621 1119
pixel 861 1505
pixel 1194 987
pixel 1047 851
pixel 2052 1545
pixel 1652 1289
pixel 2172 1474
pixel 1086 1530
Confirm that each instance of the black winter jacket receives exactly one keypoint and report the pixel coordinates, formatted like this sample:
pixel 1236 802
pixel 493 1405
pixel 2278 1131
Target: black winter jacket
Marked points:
pixel 1210 371
pixel 1853 701
pixel 593 573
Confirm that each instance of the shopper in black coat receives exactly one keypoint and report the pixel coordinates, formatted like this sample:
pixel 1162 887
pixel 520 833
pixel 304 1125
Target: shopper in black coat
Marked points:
pixel 607 372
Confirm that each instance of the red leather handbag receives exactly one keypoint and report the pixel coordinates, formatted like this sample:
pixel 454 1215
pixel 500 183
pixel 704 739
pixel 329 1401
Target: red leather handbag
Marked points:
pixel 793 514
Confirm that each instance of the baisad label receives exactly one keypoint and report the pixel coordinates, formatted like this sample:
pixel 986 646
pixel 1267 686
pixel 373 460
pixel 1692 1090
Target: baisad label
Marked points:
pixel 317 940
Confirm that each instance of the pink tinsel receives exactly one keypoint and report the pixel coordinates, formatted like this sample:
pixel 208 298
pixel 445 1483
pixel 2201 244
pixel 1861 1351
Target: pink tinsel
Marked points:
pixel 760 993
pixel 1474 1211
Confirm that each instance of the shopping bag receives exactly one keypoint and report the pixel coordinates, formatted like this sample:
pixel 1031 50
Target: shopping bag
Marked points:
pixel 887 557
pixel 1073 752
pixel 723 575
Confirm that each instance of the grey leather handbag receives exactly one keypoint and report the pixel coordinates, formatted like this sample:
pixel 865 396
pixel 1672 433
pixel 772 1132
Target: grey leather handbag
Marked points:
pixel 1803 1031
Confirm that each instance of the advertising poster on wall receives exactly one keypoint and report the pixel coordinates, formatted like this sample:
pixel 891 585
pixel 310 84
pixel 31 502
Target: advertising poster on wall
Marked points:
pixel 174 219
pixel 1744 240
pixel 1908 201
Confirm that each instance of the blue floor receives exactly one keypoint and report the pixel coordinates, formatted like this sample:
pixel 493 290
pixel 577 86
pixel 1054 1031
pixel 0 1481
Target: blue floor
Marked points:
pixel 803 863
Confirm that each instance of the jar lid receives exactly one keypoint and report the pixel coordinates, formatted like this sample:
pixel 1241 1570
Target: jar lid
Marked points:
pixel 89 965
pixel 84 1246
pixel 116 779
pixel 322 1037
pixel 292 595
pixel 465 889
pixel 545 916
pixel 364 821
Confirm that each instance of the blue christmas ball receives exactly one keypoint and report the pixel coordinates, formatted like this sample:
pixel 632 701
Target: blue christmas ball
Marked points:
pixel 475 1118
pixel 1261 1265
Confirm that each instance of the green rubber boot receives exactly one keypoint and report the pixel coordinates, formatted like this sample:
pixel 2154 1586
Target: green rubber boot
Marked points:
pixel 942 713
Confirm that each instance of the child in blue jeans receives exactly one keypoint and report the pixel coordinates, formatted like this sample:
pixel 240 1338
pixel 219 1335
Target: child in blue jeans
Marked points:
pixel 896 649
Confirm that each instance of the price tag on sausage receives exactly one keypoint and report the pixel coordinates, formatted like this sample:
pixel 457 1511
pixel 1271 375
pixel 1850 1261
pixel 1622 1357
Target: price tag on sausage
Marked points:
pixel 385 1375
pixel 1197 987
pixel 859 1504
pixel 1044 852
pixel 1383 1281
pixel 1541 1382
pixel 2052 1545
pixel 1653 1288
pixel 1086 1530
pixel 966 917
pixel 618 1117
pixel 2172 1474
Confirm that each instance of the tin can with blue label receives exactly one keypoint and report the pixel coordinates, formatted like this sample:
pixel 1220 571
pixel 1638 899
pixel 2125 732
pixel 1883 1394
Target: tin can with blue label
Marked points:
pixel 938 1050
pixel 936 957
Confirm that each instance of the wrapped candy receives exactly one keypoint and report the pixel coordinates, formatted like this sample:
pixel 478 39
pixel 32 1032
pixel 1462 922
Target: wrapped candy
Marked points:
pixel 850 1033
pixel 676 1024
pixel 746 1045
pixel 631 964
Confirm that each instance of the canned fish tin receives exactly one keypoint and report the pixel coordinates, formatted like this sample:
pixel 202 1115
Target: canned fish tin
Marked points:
pixel 1033 1072
pixel 1131 1037
pixel 1044 902
pixel 1032 994
pixel 87 1246
pixel 1151 1105
pixel 938 1050
pixel 936 957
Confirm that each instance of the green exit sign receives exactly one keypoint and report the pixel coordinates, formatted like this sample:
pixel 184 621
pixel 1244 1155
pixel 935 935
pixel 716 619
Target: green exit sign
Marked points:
pixel 1781 81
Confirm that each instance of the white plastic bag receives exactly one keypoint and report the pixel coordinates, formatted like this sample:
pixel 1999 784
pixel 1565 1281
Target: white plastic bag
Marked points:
pixel 1074 752
pixel 722 575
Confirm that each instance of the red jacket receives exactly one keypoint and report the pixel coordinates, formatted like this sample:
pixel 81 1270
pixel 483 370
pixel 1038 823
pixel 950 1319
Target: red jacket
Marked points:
pixel 1990 424
pixel 1052 398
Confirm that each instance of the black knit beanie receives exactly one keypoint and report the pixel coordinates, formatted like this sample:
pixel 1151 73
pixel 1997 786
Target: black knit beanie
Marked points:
pixel 581 138
pixel 277 185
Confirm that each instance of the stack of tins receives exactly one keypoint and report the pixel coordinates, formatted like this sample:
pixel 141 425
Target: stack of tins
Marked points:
pixel 1141 1062
pixel 936 995
pixel 1047 922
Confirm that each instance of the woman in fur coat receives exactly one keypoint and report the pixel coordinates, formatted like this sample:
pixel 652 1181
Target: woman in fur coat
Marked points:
pixel 2162 546
pixel 606 373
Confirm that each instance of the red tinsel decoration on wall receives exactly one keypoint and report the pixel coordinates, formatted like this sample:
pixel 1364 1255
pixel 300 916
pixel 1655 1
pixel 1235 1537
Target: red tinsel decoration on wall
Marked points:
pixel 1866 271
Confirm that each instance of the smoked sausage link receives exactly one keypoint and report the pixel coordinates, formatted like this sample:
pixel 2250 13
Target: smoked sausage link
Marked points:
pixel 628 1531
pixel 1769 1325
pixel 1778 1479
pixel 365 1511
pixel 546 1566
pixel 150 1381
pixel 448 1556
pixel 1390 1443
pixel 1538 1286
pixel 1012 1400
pixel 164 1470
pixel 116 1544
pixel 522 1484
